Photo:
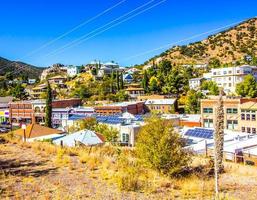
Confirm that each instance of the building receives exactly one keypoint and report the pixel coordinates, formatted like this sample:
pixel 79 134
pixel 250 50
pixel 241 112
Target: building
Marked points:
pixel 30 112
pixel 83 137
pixel 36 132
pixel 61 116
pixel 119 108
pixel 239 113
pixel 127 124
pixel 4 108
pixel 147 97
pixel 31 81
pixel 38 91
pixel 195 83
pixel 58 81
pixel 161 105
pixel 108 68
pixel 185 120
pixel 73 70
pixel 127 78
pixel 229 77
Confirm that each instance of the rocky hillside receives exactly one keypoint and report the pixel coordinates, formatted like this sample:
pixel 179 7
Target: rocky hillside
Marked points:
pixel 19 68
pixel 227 46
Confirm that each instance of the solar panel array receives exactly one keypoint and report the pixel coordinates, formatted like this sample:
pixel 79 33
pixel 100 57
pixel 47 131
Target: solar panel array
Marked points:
pixel 200 133
pixel 110 119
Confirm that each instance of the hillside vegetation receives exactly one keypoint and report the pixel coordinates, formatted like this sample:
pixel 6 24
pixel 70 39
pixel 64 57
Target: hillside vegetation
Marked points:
pixel 19 68
pixel 226 47
pixel 44 171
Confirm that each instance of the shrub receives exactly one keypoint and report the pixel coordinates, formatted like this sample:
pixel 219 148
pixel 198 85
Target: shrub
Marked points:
pixel 161 148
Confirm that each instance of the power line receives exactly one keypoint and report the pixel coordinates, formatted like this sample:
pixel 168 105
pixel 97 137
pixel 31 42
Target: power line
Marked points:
pixel 87 36
pixel 74 29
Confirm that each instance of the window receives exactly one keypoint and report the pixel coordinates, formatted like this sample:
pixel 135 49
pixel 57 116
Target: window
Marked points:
pixel 248 117
pixel 248 130
pixel 229 84
pixel 243 129
pixel 208 123
pixel 207 110
pixel 125 137
pixel 253 130
pixel 214 73
pixel 232 124
pixel 230 72
pixel 253 117
pixel 242 116
pixel 232 110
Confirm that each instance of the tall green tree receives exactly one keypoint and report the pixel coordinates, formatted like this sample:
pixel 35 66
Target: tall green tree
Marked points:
pixel 145 81
pixel 48 118
pixel 248 87
pixel 121 81
pixel 153 84
pixel 118 80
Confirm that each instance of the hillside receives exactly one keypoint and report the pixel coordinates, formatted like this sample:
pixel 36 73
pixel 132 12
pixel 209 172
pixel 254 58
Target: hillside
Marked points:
pixel 227 46
pixel 19 68
pixel 43 171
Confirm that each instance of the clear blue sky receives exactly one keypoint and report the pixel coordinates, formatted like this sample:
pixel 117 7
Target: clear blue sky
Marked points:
pixel 28 24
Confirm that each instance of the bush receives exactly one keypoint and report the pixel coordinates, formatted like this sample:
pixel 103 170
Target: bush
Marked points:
pixel 161 148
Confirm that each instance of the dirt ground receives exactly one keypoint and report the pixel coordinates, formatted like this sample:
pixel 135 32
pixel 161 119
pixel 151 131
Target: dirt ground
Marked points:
pixel 27 174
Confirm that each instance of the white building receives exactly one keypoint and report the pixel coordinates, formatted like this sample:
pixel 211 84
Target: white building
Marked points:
pixel 229 77
pixel 195 83
pixel 73 70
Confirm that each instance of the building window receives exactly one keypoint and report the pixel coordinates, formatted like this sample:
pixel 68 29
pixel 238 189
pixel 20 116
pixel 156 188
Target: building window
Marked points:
pixel 242 116
pixel 243 129
pixel 248 117
pixel 208 123
pixel 232 124
pixel 207 110
pixel 253 130
pixel 125 137
pixel 253 117
pixel 248 130
pixel 232 110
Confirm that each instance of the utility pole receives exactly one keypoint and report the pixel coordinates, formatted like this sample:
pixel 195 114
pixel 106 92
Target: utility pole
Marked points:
pixel 218 143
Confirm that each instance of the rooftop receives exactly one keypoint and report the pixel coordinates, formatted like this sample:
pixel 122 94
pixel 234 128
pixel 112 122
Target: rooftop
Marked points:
pixel 160 101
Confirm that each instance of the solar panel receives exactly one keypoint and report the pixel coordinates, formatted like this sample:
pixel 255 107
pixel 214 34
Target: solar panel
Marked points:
pixel 200 133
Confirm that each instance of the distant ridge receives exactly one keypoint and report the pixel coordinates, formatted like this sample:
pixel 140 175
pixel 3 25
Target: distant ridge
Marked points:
pixel 19 68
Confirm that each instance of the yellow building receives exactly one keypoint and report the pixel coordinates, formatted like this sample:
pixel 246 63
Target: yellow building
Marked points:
pixel 239 113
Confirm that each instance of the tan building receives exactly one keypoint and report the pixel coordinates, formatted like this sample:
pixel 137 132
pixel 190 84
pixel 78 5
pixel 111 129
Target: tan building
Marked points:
pixel 161 105
pixel 38 91
pixel 239 113
pixel 146 97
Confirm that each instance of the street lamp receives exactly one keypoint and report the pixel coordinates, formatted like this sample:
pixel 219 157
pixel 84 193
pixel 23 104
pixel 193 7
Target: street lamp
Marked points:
pixel 23 127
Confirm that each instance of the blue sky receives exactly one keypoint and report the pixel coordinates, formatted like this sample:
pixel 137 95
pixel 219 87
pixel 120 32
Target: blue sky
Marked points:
pixel 26 25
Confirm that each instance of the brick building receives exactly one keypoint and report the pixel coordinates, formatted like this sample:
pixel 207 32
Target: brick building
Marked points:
pixel 118 108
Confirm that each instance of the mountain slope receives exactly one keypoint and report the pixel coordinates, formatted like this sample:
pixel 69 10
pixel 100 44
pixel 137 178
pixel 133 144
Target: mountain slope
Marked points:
pixel 227 46
pixel 19 68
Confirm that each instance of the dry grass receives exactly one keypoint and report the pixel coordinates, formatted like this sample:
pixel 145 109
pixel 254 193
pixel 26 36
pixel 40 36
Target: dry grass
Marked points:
pixel 119 169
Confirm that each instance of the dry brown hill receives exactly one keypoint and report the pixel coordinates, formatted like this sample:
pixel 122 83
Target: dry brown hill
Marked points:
pixel 227 46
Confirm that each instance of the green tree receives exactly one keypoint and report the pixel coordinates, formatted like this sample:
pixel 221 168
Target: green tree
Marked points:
pixel 121 81
pixel 110 134
pixel 175 82
pixel 19 92
pixel 214 63
pixel 211 86
pixel 88 123
pixel 161 148
pixel 121 96
pixel 153 84
pixel 118 80
pixel 248 87
pixel 145 81
pixel 48 118
pixel 193 102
